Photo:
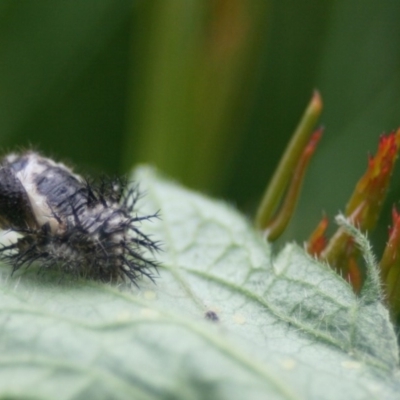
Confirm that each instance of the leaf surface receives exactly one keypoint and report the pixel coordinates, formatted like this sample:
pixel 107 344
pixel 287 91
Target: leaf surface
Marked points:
pixel 226 319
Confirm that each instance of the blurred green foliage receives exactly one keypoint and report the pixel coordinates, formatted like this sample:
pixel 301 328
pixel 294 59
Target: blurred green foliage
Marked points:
pixel 207 90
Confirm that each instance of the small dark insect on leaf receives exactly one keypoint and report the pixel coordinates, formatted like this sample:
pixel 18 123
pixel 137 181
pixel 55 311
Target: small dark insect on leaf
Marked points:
pixel 211 316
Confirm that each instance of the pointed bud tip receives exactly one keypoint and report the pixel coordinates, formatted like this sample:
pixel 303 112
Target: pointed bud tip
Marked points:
pixel 316 101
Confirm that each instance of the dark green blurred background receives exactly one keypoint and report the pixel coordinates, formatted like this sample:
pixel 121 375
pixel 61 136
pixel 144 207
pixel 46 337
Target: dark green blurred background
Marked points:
pixel 207 90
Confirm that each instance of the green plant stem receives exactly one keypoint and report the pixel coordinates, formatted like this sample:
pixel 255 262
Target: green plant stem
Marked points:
pixel 288 162
pixel 281 219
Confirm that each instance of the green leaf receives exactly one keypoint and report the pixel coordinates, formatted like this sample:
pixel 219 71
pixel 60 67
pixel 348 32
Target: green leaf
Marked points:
pixel 283 327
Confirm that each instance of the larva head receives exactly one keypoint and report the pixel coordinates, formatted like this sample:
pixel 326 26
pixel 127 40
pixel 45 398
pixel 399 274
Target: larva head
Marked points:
pixel 15 207
pixel 40 190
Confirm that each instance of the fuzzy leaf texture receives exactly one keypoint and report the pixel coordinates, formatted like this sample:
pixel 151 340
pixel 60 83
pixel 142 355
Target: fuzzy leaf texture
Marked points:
pixel 288 327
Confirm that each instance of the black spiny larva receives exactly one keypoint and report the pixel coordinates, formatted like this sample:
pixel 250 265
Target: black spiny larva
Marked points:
pixel 64 221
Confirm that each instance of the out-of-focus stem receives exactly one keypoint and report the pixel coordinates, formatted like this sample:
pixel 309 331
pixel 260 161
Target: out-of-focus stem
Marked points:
pixel 288 162
pixel 317 241
pixel 390 266
pixel 278 224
